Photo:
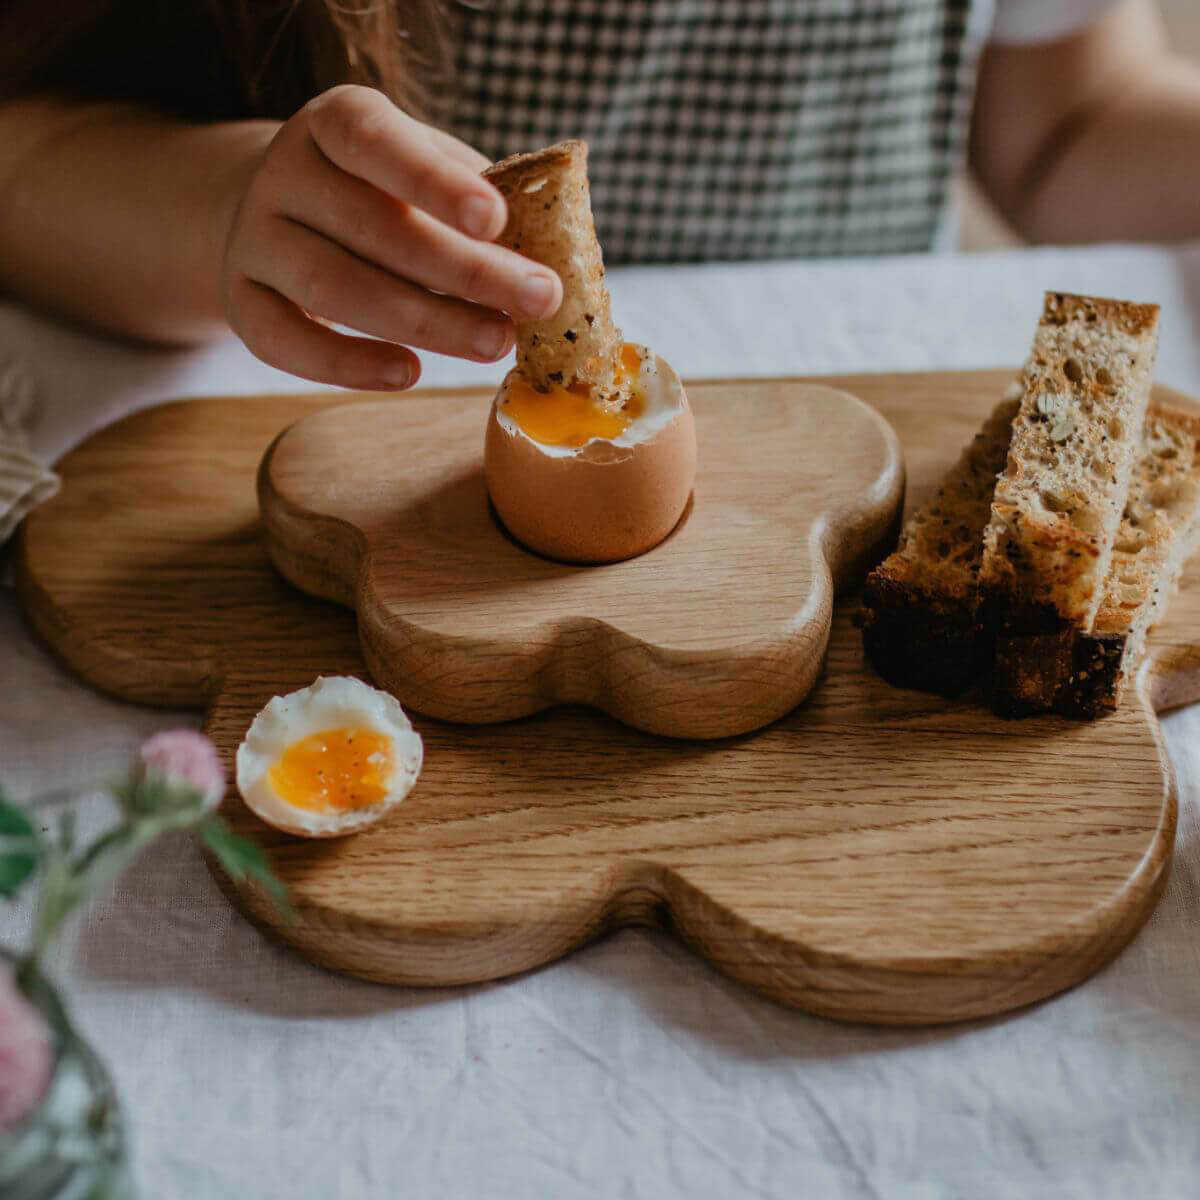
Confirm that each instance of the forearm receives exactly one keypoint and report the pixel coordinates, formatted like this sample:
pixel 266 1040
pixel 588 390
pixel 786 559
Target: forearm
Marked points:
pixel 117 217
pixel 1130 170
pixel 1093 137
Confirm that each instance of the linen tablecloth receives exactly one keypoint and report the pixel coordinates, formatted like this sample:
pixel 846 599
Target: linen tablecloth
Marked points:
pixel 629 1069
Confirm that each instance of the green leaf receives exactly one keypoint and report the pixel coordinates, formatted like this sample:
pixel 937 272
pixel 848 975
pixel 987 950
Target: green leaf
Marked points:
pixel 241 859
pixel 20 848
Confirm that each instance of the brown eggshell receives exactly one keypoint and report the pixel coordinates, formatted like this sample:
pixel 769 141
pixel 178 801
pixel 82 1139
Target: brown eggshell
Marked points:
pixel 601 504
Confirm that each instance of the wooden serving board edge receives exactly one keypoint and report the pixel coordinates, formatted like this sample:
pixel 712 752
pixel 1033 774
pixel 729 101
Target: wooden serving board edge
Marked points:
pixel 1171 678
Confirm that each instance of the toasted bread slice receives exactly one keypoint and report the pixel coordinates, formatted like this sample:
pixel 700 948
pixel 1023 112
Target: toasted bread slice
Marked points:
pixel 921 619
pixel 1057 506
pixel 920 615
pixel 550 221
pixel 1082 674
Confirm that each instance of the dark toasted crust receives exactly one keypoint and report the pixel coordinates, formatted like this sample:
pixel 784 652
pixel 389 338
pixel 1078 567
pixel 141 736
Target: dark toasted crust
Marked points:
pixel 916 639
pixel 512 173
pixel 946 644
pixel 1031 658
pixel 1066 672
pixel 1060 307
pixel 1097 674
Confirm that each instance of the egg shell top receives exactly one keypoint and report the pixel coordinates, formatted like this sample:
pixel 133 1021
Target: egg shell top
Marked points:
pixel 608 500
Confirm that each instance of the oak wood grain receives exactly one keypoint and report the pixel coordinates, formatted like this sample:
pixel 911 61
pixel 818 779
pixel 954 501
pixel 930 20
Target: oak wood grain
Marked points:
pixel 719 630
pixel 876 854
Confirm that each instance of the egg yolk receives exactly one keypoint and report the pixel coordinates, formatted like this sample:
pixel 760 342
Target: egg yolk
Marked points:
pixel 572 416
pixel 336 770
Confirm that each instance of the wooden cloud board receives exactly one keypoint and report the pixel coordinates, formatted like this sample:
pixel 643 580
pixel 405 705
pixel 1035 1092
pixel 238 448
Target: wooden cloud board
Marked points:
pixel 873 854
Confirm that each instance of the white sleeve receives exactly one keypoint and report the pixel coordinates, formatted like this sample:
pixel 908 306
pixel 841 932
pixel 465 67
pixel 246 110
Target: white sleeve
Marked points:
pixel 1022 21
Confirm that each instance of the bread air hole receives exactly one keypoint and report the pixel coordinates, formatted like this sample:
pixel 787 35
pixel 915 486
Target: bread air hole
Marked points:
pixel 1080 517
pixel 1073 371
pixel 1170 497
pixel 1102 469
pixel 1116 428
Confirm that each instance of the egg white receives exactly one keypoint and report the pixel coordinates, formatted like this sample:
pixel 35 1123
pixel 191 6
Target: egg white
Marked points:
pixel 656 382
pixel 333 702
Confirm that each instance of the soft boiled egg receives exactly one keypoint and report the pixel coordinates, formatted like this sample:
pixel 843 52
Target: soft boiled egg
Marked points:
pixel 590 449
pixel 592 478
pixel 329 759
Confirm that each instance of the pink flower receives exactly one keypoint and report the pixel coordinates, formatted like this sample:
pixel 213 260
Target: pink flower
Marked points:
pixel 184 758
pixel 26 1058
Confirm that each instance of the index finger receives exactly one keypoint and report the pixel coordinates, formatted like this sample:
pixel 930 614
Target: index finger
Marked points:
pixel 359 130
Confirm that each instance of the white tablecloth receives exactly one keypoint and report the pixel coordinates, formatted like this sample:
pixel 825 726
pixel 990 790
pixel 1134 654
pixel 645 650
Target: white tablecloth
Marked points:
pixel 630 1069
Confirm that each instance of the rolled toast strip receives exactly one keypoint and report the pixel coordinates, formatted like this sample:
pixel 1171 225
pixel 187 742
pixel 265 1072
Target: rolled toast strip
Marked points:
pixel 550 221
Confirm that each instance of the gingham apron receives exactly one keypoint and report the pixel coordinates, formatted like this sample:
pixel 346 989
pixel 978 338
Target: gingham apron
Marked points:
pixel 732 129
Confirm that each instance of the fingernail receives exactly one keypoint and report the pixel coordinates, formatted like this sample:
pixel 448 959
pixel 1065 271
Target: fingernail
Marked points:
pixel 398 376
pixel 491 341
pixel 477 215
pixel 537 294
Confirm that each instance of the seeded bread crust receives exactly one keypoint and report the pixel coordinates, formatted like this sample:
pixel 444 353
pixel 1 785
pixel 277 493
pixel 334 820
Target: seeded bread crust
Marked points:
pixel 550 221
pixel 1058 503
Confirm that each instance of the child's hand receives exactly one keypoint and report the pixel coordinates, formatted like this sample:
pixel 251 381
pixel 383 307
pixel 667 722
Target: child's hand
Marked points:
pixel 358 215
